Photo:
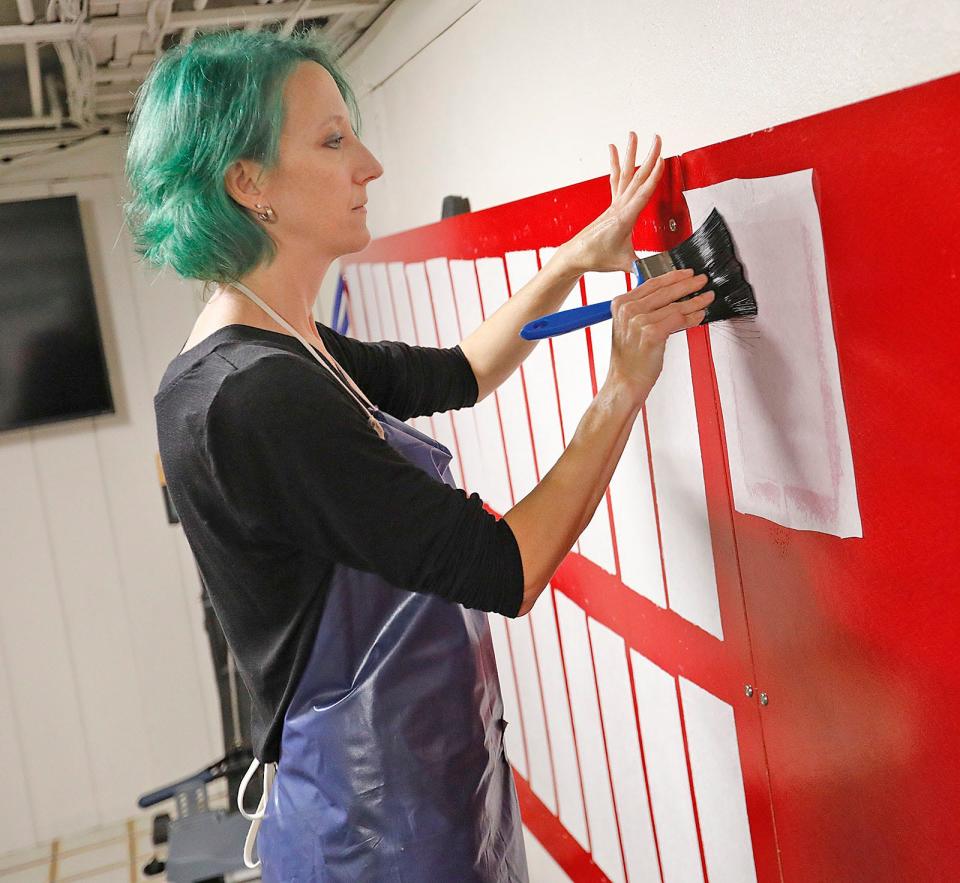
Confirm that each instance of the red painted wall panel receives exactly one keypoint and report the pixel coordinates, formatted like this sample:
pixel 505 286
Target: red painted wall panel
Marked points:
pixel 855 639
pixel 850 773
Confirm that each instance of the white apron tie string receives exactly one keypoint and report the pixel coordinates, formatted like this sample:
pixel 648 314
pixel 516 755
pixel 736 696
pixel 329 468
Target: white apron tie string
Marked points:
pixel 255 818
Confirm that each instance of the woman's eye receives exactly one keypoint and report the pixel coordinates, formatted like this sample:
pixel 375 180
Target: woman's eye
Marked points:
pixel 335 142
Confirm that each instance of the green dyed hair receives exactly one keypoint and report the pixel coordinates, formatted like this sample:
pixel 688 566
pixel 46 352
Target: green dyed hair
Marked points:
pixel 203 106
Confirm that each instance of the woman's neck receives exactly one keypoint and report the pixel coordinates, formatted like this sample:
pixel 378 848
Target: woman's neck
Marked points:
pixel 290 291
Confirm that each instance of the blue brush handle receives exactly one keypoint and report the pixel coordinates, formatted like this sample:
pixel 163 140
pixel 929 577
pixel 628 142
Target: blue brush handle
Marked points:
pixel 571 320
pixel 566 320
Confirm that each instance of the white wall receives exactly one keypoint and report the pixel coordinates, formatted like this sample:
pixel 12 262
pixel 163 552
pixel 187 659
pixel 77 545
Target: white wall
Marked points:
pixel 106 680
pixel 514 98
pixel 106 683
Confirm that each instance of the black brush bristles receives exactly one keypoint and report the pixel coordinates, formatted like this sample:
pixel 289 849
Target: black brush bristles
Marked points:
pixel 710 251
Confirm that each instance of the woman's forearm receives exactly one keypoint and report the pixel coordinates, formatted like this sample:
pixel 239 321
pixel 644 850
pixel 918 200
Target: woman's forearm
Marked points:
pixel 547 522
pixel 495 349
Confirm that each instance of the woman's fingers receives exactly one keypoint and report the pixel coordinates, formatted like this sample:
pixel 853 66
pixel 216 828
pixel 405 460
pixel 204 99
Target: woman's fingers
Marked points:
pixel 657 283
pixel 652 161
pixel 630 160
pixel 685 308
pixel 627 179
pixel 637 309
pixel 680 322
pixel 673 291
pixel 670 325
pixel 637 195
pixel 614 171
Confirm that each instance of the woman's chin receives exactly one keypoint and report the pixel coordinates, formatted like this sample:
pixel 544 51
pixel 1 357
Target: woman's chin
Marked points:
pixel 358 242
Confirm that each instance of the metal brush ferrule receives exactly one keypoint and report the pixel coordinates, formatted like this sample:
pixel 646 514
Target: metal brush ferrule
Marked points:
pixel 656 264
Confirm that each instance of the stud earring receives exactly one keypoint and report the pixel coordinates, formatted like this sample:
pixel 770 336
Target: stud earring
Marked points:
pixel 265 213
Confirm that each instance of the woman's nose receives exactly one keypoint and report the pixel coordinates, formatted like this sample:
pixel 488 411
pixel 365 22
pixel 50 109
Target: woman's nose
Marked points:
pixel 371 168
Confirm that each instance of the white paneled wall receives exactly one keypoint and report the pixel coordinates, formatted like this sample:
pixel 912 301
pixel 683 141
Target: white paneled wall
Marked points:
pixel 106 681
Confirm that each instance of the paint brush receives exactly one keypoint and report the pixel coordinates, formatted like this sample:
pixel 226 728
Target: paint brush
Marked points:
pixel 709 250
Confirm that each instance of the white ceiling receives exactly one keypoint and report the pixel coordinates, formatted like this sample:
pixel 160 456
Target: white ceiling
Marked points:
pixel 69 68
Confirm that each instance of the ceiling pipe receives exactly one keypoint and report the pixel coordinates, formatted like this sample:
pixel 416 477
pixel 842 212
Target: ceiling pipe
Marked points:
pixel 24 141
pixel 80 72
pixel 71 79
pixel 108 26
pixel 122 74
pixel 53 98
pixel 25 8
pixel 189 33
pixel 42 122
pixel 33 78
pixel 288 25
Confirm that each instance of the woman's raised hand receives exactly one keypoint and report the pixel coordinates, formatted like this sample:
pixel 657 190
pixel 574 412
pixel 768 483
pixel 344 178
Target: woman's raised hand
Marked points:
pixel 645 317
pixel 606 243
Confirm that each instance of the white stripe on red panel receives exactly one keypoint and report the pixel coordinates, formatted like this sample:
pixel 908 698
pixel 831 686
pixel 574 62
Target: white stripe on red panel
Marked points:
pixel 559 723
pixel 493 291
pixel 406 332
pixel 666 764
pixel 531 704
pixel 381 288
pixel 482 419
pixel 601 814
pixel 448 325
pixel 718 785
pixel 680 493
pixel 623 747
pixel 370 302
pixel 358 321
pixel 572 364
pixel 541 398
pixel 634 518
pixel 423 317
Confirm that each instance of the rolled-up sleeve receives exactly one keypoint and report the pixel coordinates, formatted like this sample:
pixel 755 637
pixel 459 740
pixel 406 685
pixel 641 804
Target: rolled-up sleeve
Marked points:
pixel 293 454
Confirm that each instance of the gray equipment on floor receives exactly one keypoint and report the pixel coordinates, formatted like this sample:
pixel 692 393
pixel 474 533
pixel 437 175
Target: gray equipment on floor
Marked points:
pixel 205 843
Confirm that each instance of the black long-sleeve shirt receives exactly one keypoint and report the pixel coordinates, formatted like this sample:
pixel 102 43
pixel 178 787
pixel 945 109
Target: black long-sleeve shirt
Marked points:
pixel 276 476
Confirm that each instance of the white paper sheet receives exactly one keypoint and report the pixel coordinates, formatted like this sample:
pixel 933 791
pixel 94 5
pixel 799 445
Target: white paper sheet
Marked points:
pixel 778 375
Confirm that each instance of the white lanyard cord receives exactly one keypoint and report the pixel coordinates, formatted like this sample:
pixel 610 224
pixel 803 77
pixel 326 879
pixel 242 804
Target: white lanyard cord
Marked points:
pixel 374 423
pixel 255 818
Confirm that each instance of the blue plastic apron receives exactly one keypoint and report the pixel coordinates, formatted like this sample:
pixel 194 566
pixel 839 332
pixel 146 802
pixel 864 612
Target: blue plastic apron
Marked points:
pixel 392 765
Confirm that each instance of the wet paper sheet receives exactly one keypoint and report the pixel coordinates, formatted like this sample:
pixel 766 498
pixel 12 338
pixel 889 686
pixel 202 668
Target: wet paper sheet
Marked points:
pixel 778 375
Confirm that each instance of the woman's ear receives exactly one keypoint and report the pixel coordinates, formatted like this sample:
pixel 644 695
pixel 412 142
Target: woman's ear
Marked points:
pixel 242 180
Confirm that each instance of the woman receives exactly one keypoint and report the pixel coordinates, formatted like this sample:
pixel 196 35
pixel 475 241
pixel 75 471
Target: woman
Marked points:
pixel 350 576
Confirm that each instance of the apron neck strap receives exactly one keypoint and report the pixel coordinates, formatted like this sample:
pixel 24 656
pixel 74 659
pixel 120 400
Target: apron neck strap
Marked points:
pixel 364 403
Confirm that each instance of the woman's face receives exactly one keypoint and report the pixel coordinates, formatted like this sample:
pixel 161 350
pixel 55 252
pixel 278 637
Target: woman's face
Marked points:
pixel 323 170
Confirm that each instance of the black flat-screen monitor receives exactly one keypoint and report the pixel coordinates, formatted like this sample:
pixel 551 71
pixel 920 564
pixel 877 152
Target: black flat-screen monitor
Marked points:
pixel 52 364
